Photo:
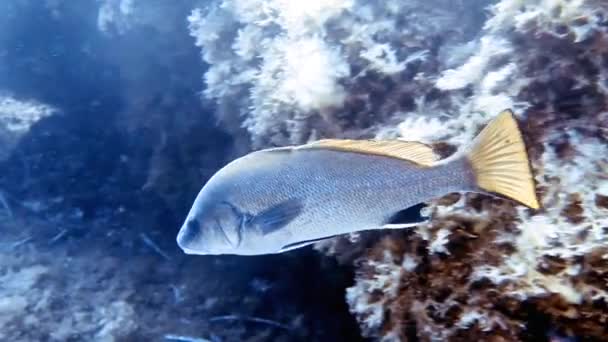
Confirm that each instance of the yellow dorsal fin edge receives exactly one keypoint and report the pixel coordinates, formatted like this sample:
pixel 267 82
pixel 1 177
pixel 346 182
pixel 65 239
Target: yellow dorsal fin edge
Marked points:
pixel 412 151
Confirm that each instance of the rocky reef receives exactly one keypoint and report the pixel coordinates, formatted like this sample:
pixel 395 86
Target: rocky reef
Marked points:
pixel 104 143
pixel 483 268
pixel 114 156
pixel 436 71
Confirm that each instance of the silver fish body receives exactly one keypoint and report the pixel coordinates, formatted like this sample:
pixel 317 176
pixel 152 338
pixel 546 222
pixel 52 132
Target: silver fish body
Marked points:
pixel 271 201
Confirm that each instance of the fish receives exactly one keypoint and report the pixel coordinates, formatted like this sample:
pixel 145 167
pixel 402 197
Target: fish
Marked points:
pixel 279 199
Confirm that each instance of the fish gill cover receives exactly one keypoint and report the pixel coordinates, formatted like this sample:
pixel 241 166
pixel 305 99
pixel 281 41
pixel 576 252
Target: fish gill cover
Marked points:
pixel 282 72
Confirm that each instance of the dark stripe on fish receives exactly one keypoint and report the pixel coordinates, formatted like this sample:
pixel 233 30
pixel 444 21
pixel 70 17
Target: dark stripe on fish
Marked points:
pixel 411 215
pixel 303 243
pixel 277 216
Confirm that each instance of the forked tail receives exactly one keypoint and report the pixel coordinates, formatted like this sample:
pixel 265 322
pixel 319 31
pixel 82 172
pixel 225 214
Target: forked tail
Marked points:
pixel 500 162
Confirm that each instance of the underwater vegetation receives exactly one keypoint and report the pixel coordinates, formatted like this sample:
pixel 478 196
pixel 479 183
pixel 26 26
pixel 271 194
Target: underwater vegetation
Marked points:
pixel 116 132
pixel 436 71
pixel 107 145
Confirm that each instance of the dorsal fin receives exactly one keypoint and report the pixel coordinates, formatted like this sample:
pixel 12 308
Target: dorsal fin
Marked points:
pixel 412 151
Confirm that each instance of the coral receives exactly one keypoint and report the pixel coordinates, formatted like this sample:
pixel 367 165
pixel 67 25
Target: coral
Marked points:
pixel 58 286
pixel 32 307
pixel 486 269
pixel 15 287
pixel 78 223
pixel 436 71
pixel 292 72
pixel 16 118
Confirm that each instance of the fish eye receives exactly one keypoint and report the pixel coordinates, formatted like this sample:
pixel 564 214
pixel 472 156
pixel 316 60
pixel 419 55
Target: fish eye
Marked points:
pixel 193 225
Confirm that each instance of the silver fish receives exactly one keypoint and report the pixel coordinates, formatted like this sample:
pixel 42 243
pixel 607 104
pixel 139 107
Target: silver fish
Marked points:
pixel 279 199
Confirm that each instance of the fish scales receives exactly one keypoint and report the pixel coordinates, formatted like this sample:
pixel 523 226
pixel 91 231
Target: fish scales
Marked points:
pixel 341 189
pixel 275 200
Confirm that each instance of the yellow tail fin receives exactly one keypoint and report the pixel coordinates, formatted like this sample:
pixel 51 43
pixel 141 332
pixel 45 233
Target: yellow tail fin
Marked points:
pixel 500 162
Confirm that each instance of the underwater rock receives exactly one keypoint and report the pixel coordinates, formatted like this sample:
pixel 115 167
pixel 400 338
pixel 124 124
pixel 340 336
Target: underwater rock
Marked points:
pixel 35 305
pixel 16 118
pixel 483 268
pixel 291 73
pixel 90 197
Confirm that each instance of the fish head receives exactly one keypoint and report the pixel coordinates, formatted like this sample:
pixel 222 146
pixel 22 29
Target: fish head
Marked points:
pixel 226 219
pixel 212 230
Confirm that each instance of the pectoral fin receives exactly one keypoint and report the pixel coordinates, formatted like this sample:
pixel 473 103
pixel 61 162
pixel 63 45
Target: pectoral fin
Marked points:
pixel 277 216
pixel 409 217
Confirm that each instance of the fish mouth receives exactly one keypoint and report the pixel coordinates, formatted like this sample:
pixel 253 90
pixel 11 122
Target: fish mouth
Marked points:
pixel 182 242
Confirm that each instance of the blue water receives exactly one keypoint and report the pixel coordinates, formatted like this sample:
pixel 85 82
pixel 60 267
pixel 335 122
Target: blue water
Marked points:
pixel 76 188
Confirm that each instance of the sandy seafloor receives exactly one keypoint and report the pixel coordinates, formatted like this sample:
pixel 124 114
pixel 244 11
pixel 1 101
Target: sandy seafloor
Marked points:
pixel 95 288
